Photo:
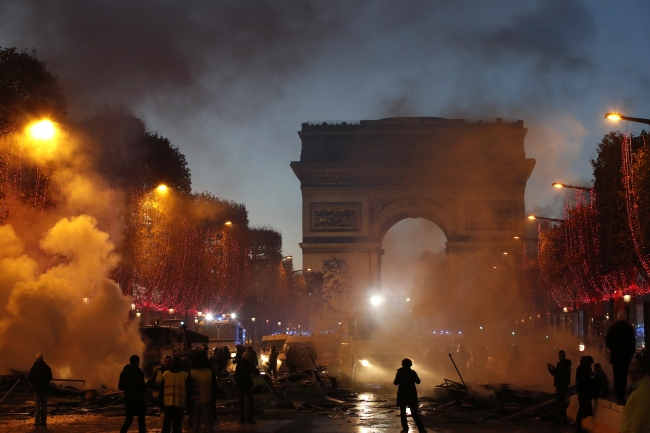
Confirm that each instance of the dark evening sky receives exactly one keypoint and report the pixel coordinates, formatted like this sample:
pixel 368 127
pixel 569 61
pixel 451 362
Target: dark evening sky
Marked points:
pixel 230 82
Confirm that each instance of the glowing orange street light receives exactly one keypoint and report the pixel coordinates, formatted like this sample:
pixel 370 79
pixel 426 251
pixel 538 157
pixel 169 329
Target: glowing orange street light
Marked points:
pixel 162 188
pixel 228 223
pixel 535 217
pixel 560 185
pixel 43 130
pixel 619 116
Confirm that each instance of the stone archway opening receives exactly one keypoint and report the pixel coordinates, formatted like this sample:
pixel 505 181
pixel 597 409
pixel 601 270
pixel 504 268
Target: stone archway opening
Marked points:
pixel 411 248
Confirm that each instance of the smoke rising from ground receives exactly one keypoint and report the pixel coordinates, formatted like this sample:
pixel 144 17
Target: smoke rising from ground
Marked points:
pixel 44 310
pixel 416 265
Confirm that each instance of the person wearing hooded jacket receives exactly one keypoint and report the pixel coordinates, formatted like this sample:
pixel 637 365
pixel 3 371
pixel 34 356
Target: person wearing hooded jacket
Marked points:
pixel 585 387
pixel 39 378
pixel 407 394
pixel 132 383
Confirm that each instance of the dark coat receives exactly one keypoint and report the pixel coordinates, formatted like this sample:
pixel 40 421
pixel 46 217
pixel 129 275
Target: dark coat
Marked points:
pixel 243 374
pixel 405 379
pixel 273 359
pixel 561 373
pixel 585 387
pixel 621 342
pixel 40 376
pixel 132 383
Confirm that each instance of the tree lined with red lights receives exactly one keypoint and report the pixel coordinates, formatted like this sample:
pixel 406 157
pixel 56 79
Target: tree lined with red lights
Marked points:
pixel 600 251
pixel 179 250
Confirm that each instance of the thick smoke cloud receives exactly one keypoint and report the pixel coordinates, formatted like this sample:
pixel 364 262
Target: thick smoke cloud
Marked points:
pixel 230 82
pixel 44 311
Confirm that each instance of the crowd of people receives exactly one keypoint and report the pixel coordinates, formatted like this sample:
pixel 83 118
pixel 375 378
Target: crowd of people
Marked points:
pixel 592 381
pixel 187 387
pixel 181 387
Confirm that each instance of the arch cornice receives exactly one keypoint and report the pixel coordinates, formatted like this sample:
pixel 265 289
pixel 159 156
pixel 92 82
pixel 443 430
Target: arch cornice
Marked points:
pixel 386 212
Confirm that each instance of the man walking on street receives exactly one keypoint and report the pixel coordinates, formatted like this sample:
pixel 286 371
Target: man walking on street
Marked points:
pixel 407 394
pixel 39 377
pixel 636 415
pixel 562 378
pixel 176 387
pixel 132 383
pixel 621 343
pixel 204 393
pixel 244 382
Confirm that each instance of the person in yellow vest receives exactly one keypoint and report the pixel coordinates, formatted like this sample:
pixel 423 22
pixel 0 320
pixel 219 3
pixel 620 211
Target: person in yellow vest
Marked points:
pixel 176 387
pixel 636 414
pixel 155 381
pixel 204 393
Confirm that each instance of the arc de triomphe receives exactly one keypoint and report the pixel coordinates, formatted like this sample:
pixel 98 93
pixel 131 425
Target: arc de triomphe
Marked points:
pixel 359 179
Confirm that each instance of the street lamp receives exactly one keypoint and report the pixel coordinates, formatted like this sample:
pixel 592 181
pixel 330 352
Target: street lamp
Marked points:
pixel 228 224
pixel 535 217
pixel 619 116
pixel 376 301
pixel 521 238
pixel 171 311
pixel 43 130
pixel 560 185
pixel 301 270
pixel 627 299
pixel 162 188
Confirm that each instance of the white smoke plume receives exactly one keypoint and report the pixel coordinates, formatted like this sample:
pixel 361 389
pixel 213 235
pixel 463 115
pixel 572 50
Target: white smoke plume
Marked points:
pixel 43 311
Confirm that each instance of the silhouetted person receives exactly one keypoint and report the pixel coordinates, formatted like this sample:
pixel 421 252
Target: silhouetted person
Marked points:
pixel 244 382
pixel 292 358
pixel 155 381
pixel 461 357
pixel 254 359
pixel 602 382
pixel 132 383
pixel 480 358
pixel 204 393
pixel 407 394
pixel 621 343
pixel 273 361
pixel 585 387
pixel 561 379
pixel 636 414
pixel 240 352
pixel 39 377
pixel 176 388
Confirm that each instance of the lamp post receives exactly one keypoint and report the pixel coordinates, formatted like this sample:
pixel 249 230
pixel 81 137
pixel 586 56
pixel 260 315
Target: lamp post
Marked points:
pixel 619 116
pixel 535 217
pixel 253 331
pixel 627 299
pixel 560 185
